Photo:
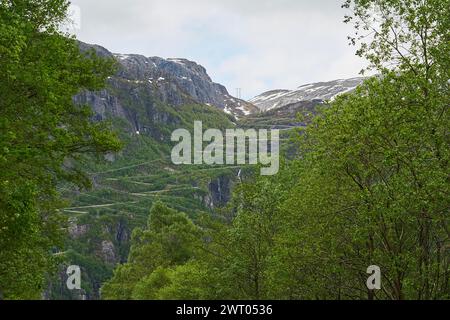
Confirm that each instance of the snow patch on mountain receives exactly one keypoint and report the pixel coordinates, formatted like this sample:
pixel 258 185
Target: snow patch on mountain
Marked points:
pixel 314 91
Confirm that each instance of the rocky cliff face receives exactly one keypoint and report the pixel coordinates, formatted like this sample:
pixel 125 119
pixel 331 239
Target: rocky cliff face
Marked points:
pixel 319 91
pixel 219 191
pixel 172 81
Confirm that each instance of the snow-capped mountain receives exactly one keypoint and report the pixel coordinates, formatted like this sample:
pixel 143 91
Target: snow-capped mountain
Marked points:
pixel 188 76
pixel 315 91
pixel 174 81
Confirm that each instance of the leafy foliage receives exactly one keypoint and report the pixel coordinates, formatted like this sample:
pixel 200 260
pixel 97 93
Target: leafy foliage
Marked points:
pixel 43 135
pixel 369 186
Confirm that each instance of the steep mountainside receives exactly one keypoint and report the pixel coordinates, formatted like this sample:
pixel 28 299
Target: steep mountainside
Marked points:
pixel 315 91
pixel 145 101
pixel 172 81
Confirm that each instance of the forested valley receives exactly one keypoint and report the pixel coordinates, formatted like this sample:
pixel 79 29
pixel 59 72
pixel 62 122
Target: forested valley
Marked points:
pixel 364 177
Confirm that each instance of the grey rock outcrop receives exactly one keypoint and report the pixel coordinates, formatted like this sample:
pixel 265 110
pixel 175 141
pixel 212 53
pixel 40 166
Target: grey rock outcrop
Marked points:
pixel 172 81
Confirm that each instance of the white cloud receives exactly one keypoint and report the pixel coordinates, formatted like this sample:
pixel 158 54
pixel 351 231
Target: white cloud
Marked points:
pixel 256 45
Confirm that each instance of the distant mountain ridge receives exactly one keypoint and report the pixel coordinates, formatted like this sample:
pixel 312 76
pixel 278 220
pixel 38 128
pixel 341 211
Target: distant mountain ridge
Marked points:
pixel 175 81
pixel 322 91
pixel 179 81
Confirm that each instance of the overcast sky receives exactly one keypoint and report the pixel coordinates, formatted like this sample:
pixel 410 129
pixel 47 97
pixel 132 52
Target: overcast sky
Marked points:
pixel 256 45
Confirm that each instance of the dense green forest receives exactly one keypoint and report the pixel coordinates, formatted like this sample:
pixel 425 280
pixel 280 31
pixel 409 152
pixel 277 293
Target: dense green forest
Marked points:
pixel 366 182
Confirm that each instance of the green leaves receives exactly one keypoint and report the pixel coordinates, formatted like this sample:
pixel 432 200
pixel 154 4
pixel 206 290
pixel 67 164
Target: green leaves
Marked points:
pixel 41 131
pixel 403 33
pixel 370 192
pixel 169 242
